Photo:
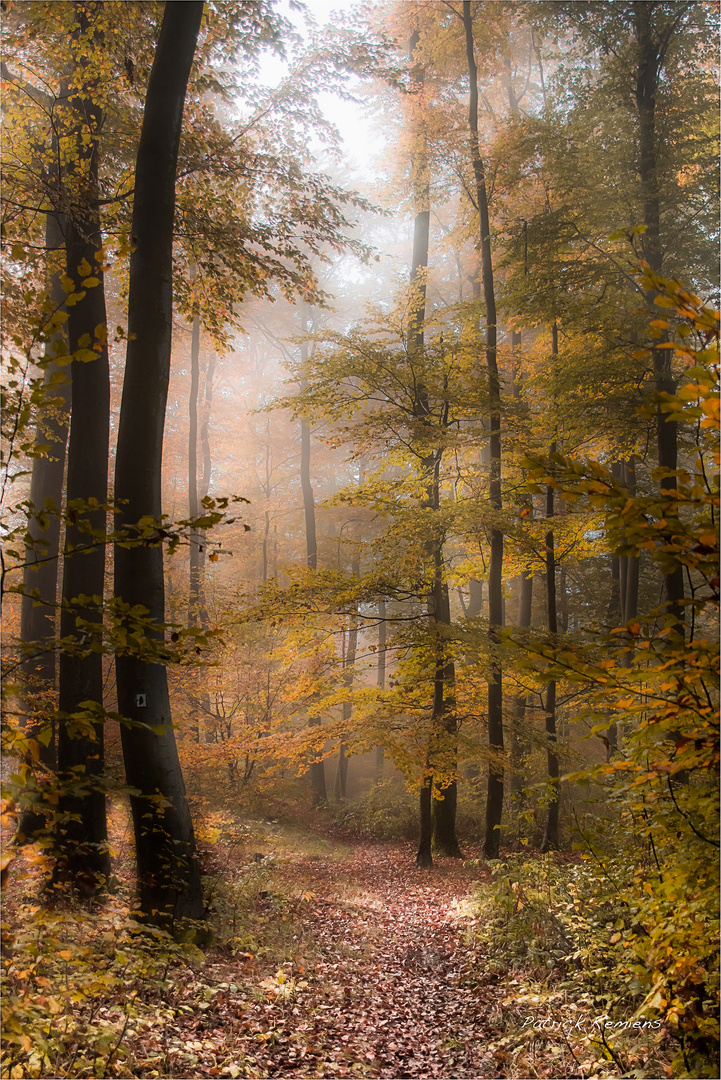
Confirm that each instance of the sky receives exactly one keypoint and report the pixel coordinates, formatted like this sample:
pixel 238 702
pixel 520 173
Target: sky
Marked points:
pixel 360 141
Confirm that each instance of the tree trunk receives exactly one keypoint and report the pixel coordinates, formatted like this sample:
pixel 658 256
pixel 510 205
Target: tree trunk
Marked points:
pixel 38 606
pixel 38 615
pixel 316 771
pixel 348 674
pixel 633 562
pixel 381 675
pixel 494 798
pixel 475 598
pixel 519 742
pixel 81 836
pixel 167 861
pixel 445 840
pixel 550 836
pixel 651 60
pixel 197 613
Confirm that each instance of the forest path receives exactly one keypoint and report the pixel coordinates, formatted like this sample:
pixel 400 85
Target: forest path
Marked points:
pixel 384 995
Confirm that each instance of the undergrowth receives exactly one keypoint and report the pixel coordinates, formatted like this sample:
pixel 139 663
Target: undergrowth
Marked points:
pixel 559 944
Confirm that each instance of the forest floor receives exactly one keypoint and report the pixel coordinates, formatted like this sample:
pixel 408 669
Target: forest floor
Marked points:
pixel 379 977
pixel 332 956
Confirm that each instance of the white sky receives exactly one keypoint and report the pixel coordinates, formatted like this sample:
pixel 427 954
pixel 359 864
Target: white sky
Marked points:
pixel 360 141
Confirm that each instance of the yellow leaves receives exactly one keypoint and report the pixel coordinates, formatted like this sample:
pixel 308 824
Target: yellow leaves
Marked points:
pixel 639 354
pixel 90 282
pixel 711 408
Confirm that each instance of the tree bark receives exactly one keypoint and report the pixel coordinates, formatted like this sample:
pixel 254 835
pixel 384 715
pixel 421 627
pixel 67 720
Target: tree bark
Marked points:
pixel 316 770
pixel 197 613
pixel 381 675
pixel 494 798
pixel 550 836
pixel 38 612
pixel 651 57
pixel 348 675
pixel 167 861
pixel 38 606
pixel 519 741
pixel 81 838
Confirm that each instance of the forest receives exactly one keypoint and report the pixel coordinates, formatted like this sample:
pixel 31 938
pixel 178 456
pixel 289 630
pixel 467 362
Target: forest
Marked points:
pixel 360 434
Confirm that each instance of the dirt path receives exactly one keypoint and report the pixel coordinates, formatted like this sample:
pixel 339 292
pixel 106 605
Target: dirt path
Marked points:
pixel 383 997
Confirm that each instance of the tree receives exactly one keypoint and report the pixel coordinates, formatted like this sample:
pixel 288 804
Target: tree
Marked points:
pixel 494 797
pixel 168 869
pixel 81 830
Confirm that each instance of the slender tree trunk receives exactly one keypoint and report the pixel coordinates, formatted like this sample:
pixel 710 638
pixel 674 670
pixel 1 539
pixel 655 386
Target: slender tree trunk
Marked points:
pixel 39 603
pixel 81 836
pixel 550 836
pixel 494 798
pixel 341 779
pixel 420 179
pixel 381 675
pixel 630 607
pixel 167 861
pixel 319 793
pixel 38 607
pixel 520 744
pixel 651 59
pixel 445 840
pixel 519 741
pixel 197 614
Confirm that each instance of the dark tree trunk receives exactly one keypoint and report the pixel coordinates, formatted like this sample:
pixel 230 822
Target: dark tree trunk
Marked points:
pixel 519 742
pixel 316 771
pixel 445 840
pixel 652 53
pixel 81 835
pixel 167 861
pixel 550 836
pixel 494 798
pixel 348 674
pixel 381 675
pixel 420 179
pixel 38 606
pixel 38 612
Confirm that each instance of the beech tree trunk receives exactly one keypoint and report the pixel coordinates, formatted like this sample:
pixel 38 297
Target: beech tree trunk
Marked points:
pixel 652 53
pixel 81 839
pixel 494 798
pixel 443 713
pixel 197 613
pixel 381 675
pixel 38 606
pixel 519 742
pixel 445 840
pixel 167 861
pixel 316 771
pixel 341 778
pixel 550 836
